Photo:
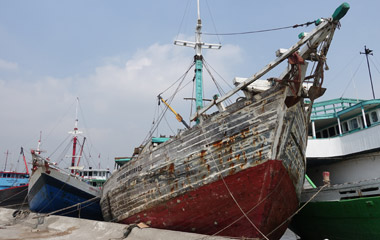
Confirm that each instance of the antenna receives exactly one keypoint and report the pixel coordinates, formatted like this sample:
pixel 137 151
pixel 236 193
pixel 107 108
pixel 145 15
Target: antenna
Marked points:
pixel 369 52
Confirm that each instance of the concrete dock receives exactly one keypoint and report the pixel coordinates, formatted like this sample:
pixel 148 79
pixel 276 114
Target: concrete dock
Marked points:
pixel 25 225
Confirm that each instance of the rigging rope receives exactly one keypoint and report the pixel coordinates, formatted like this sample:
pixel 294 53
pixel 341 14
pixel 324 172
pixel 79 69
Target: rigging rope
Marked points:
pixel 261 31
pixel 59 146
pixel 374 65
pixel 212 20
pixel 183 17
pixel 352 78
pixel 159 119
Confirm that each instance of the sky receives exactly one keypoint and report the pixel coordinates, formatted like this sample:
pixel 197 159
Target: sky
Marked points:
pixel 117 56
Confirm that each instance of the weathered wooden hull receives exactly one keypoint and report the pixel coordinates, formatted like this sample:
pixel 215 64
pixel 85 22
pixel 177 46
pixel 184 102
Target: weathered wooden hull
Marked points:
pixel 253 152
pixel 256 195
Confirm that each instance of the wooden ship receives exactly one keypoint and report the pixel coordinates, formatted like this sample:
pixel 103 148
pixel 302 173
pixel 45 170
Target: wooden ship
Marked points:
pixel 239 171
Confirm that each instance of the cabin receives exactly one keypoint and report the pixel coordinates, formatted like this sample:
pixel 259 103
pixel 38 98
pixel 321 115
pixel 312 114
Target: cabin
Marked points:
pixel 344 139
pixel 94 177
pixel 342 116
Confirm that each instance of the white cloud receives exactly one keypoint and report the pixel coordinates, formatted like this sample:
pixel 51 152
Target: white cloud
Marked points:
pixel 117 100
pixel 10 66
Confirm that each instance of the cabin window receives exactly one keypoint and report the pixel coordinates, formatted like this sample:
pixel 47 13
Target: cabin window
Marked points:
pixel 354 124
pixel 332 132
pixel 345 127
pixel 325 134
pixel 337 129
pixel 374 117
pixel 318 135
pixel 367 120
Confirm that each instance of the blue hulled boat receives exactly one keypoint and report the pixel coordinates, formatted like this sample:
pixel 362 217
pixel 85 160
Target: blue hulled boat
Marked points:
pixel 53 190
pixel 13 187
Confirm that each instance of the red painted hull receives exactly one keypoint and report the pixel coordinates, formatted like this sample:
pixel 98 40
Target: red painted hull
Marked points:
pixel 264 192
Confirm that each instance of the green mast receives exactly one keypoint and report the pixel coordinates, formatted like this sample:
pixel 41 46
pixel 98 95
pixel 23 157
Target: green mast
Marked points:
pixel 198 58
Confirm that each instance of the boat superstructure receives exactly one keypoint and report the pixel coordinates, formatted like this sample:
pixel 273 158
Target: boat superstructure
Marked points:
pixel 344 144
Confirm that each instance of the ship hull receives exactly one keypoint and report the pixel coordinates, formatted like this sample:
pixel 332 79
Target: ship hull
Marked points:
pixel 14 197
pixel 342 211
pixel 210 208
pixel 348 219
pixel 53 191
pixel 229 155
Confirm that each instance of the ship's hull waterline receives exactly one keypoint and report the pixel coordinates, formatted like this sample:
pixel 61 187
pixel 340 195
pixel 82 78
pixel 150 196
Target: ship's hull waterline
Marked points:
pixel 253 152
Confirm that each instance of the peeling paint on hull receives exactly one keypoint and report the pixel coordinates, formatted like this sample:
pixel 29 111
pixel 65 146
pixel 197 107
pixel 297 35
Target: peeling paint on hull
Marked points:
pixel 187 172
pixel 210 208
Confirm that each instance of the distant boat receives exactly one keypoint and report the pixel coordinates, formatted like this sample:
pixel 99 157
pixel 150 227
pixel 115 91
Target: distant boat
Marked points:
pixel 345 144
pixel 95 177
pixel 239 171
pixel 14 187
pixel 55 191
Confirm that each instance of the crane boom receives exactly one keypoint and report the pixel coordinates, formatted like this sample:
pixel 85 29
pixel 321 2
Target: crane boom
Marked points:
pixel 177 115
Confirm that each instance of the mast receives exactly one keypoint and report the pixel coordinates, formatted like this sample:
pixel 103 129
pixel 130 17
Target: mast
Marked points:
pixel 198 58
pixel 75 133
pixel 198 63
pixel 6 159
pixel 81 151
pixel 23 156
pixel 369 52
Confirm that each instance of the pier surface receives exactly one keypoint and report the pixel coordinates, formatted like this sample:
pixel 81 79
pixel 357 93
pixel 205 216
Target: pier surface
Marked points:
pixel 29 226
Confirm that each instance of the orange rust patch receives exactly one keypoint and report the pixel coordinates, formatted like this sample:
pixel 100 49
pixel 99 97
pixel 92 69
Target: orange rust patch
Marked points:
pixel 244 132
pixel 171 168
pixel 203 153
pixel 232 170
pixel 245 158
pixel 218 144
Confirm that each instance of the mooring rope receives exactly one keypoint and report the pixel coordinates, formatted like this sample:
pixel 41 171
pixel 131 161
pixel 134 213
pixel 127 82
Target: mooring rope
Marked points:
pixel 63 209
pixel 299 209
pixel 230 193
pixel 13 195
